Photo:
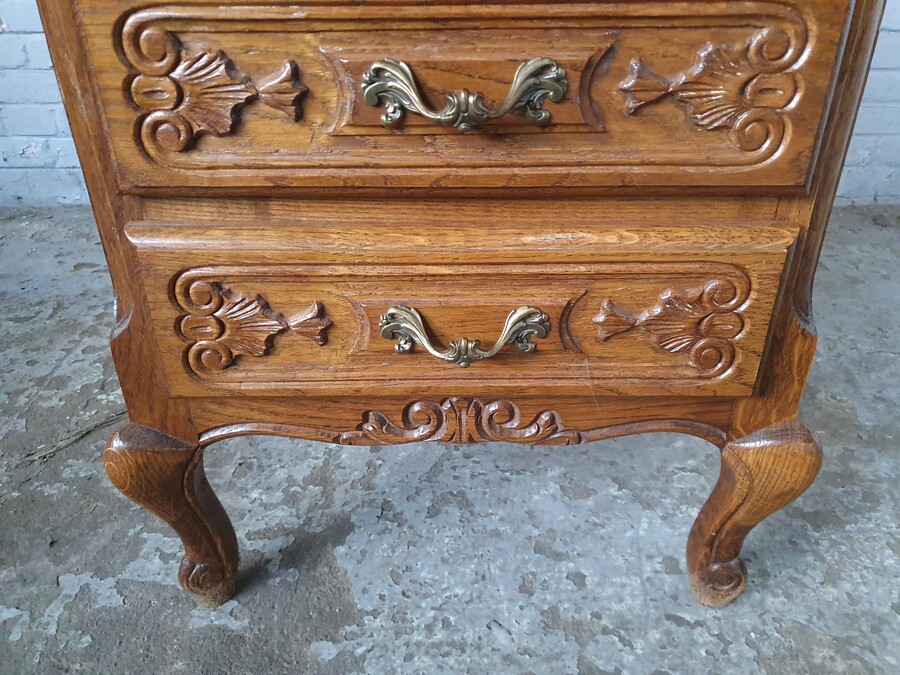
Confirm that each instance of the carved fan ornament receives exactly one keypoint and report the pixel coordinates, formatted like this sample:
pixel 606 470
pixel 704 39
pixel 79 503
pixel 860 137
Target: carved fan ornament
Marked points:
pixel 702 323
pixel 222 325
pixel 461 420
pixel 742 89
pixel 189 91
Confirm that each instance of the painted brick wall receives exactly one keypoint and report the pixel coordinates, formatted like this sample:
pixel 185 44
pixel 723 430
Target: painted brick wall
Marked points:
pixel 872 173
pixel 38 163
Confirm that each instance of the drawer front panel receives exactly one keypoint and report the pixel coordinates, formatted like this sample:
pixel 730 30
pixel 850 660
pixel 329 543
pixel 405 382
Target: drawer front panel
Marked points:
pixel 656 93
pixel 692 321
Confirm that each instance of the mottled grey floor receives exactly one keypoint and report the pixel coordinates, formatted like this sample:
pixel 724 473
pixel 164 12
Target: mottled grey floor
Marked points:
pixel 439 558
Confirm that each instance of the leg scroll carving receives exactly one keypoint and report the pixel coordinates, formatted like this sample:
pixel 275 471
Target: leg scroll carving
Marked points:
pixel 761 473
pixel 165 475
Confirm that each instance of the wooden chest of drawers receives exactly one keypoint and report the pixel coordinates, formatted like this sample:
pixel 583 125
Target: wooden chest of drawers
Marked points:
pixel 391 221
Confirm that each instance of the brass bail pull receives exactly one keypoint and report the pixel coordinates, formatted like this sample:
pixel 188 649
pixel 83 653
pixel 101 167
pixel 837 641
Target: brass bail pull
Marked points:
pixel 391 83
pixel 406 325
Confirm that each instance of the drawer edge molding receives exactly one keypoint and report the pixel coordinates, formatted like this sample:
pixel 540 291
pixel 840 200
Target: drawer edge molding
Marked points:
pixel 754 89
pixel 216 322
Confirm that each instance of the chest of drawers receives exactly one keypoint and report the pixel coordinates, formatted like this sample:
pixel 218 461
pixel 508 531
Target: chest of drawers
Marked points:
pixel 391 221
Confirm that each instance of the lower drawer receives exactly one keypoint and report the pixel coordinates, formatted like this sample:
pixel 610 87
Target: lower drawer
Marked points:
pixel 640 311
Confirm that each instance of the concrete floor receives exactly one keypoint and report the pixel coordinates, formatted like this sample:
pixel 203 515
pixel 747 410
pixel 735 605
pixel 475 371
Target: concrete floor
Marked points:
pixel 438 558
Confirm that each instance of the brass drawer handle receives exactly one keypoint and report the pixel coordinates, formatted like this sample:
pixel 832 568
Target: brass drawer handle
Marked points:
pixel 392 84
pixel 408 326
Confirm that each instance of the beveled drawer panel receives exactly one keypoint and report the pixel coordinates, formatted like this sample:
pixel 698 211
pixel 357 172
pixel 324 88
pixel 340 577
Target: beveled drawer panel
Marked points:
pixel 658 93
pixel 623 315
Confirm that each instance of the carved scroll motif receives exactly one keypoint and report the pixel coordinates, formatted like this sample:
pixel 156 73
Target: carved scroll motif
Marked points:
pixel 222 325
pixel 702 323
pixel 744 89
pixel 187 91
pixel 461 420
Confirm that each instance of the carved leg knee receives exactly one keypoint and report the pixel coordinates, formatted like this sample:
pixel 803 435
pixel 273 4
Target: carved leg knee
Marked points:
pixel 165 475
pixel 761 473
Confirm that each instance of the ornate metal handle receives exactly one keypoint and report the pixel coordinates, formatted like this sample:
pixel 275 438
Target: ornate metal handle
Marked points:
pixel 392 84
pixel 408 326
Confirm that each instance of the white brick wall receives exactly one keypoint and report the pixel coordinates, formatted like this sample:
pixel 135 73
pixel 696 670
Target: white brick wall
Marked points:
pixel 872 173
pixel 38 164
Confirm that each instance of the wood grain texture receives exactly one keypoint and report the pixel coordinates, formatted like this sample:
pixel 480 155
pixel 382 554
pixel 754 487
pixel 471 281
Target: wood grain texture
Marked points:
pixel 194 91
pixel 735 87
pixel 737 269
pixel 258 219
pixel 165 476
pixel 764 141
pixel 131 340
pixel 347 419
pixel 792 338
pixel 761 473
pixel 703 322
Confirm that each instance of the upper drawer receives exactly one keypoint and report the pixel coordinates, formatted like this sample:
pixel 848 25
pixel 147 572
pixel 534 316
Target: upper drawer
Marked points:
pixel 637 93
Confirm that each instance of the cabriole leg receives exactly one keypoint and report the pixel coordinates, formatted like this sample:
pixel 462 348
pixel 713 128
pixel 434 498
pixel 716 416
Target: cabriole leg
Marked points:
pixel 165 475
pixel 761 473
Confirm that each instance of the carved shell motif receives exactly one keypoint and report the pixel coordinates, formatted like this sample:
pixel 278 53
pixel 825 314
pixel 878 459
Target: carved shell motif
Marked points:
pixel 191 90
pixel 222 324
pixel 238 326
pixel 735 88
pixel 702 323
pixel 210 94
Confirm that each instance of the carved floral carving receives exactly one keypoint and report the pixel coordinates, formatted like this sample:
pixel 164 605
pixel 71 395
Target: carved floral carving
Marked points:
pixel 702 323
pixel 744 89
pixel 313 323
pixel 222 325
pixel 461 420
pixel 282 91
pixel 188 91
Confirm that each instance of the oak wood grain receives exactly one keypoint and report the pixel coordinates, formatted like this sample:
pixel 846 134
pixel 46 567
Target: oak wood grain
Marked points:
pixel 258 220
pixel 758 130
pixel 165 475
pixel 703 290
pixel 761 473
pixel 792 340
pixel 594 419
